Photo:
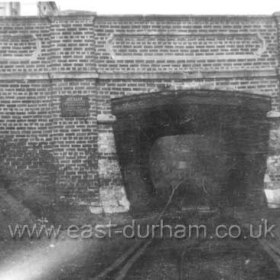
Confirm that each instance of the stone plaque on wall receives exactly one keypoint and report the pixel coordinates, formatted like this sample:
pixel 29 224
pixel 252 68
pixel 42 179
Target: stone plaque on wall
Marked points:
pixel 74 106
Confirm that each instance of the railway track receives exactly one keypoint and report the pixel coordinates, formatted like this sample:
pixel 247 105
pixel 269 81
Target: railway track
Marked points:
pixel 119 269
pixel 191 259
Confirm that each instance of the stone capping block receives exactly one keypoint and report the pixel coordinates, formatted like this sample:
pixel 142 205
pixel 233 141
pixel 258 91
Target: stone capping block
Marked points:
pixel 273 115
pixel 72 16
pixel 63 14
pixel 106 118
pixel 276 14
pixel 126 17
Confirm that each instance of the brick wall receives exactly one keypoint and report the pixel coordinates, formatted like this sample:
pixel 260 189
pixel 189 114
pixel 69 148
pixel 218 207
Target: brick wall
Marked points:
pixel 29 44
pixel 74 140
pixel 190 43
pixel 42 60
pixel 103 57
pixel 72 44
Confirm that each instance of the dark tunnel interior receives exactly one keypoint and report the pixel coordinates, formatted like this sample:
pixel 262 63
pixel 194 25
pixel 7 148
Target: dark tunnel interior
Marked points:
pixel 213 143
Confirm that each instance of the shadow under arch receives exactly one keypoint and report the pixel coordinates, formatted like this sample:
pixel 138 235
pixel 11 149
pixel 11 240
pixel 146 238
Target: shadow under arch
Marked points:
pixel 238 118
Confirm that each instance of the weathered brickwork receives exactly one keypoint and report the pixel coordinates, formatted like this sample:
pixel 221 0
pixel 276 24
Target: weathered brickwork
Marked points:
pixel 72 44
pixel 168 44
pixel 26 111
pixel 111 88
pixel 33 67
pixel 103 57
pixel 74 140
pixel 29 45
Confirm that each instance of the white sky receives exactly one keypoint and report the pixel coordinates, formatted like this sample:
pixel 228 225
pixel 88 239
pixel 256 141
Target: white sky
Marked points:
pixel 163 7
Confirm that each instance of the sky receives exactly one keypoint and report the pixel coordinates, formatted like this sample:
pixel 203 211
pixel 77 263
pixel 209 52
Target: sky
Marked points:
pixel 211 7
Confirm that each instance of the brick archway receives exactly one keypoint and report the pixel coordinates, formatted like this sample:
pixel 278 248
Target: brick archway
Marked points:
pixel 239 118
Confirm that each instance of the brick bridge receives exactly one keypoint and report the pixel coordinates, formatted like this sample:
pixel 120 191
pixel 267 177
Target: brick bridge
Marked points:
pixel 86 89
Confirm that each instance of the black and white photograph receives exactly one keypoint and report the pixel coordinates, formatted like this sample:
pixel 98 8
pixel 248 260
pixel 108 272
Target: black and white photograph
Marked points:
pixel 140 140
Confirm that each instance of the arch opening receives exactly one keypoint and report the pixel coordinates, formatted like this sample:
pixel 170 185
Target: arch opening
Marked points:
pixel 216 142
